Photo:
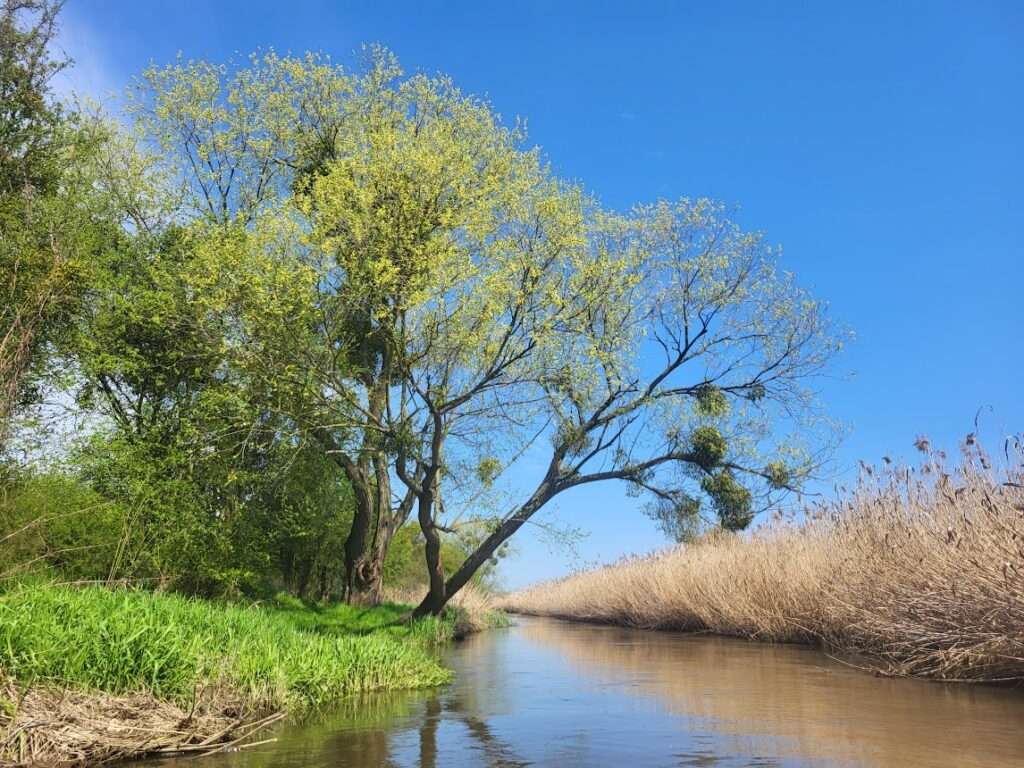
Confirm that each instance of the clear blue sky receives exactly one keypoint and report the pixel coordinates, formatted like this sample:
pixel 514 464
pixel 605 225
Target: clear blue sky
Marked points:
pixel 881 143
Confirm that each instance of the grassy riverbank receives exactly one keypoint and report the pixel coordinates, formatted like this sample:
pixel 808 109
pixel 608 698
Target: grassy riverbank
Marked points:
pixel 916 573
pixel 92 674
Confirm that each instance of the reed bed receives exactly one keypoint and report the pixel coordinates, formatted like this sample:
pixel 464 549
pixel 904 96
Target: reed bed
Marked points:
pixel 916 572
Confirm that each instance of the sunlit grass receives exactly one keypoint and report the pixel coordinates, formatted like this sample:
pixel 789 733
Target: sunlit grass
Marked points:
pixel 126 641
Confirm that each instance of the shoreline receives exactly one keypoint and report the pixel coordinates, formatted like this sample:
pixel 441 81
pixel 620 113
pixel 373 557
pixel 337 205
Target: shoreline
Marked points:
pixel 911 576
pixel 199 677
pixel 815 645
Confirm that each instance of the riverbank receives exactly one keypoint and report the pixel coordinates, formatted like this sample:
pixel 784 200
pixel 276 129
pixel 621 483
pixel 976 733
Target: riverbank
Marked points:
pixel 917 573
pixel 546 692
pixel 91 675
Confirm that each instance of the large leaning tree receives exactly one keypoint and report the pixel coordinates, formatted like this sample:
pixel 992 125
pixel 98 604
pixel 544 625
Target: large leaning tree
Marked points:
pixel 430 192
pixel 415 175
pixel 660 349
pixel 325 207
pixel 409 289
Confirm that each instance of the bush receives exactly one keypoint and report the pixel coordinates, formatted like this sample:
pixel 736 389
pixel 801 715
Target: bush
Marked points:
pixel 57 523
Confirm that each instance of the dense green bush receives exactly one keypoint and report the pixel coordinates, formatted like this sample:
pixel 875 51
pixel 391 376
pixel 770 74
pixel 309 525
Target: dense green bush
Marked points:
pixel 210 522
pixel 141 514
pixel 152 515
pixel 55 522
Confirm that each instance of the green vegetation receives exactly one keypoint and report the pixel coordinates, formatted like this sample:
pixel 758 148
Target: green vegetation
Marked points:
pixel 121 641
pixel 46 232
pixel 297 321
pixel 385 620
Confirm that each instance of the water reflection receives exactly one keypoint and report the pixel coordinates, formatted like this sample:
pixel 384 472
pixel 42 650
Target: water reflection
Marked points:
pixel 807 705
pixel 556 694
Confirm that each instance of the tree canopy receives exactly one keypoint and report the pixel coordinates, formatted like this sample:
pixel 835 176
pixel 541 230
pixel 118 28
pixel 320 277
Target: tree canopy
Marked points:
pixel 361 294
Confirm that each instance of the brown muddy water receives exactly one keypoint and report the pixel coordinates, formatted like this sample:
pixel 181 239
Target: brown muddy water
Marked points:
pixel 551 693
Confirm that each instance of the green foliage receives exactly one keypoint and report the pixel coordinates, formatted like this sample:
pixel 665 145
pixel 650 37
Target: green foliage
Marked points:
pixel 779 476
pixel 176 533
pixel 123 641
pixel 731 500
pixel 404 566
pixel 678 516
pixel 220 523
pixel 29 120
pixel 708 446
pixel 222 499
pixel 404 562
pixel 48 225
pixel 144 346
pixel 711 401
pixel 56 522
pixel 487 470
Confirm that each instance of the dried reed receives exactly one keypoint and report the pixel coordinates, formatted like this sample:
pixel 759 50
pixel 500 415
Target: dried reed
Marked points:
pixel 916 572
pixel 46 725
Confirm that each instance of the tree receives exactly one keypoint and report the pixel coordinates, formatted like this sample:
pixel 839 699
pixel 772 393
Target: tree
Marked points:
pixel 663 348
pixel 411 292
pixel 39 247
pixel 389 181
pixel 240 139
pixel 416 177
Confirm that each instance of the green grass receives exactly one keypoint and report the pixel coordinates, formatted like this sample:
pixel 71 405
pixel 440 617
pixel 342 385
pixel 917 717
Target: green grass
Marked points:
pixel 285 656
pixel 343 620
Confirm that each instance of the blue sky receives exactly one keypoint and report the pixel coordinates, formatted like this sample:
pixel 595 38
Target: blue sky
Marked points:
pixel 881 144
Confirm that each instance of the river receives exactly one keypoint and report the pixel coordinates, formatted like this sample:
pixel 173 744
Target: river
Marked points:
pixel 551 693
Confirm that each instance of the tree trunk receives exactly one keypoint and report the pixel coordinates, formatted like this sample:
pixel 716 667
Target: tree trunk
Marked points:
pixel 359 581
pixel 366 583
pixel 369 549
pixel 367 543
pixel 435 601
pixel 437 595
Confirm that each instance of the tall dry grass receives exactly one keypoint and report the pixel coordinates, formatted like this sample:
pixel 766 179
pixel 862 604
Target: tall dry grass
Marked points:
pixel 916 572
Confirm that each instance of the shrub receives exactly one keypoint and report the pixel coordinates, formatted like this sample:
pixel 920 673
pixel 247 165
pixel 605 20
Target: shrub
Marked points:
pixel 54 522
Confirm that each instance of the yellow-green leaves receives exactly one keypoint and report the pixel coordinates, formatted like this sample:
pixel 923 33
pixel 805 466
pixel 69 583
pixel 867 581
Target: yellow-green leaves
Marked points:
pixel 232 133
pixel 387 258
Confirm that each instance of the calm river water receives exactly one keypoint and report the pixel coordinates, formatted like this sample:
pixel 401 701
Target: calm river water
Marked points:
pixel 551 693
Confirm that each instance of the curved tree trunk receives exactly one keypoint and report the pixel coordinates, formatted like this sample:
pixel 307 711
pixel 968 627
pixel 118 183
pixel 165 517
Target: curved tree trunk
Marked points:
pixel 437 594
pixel 358 580
pixel 365 583
pixel 364 559
pixel 438 597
